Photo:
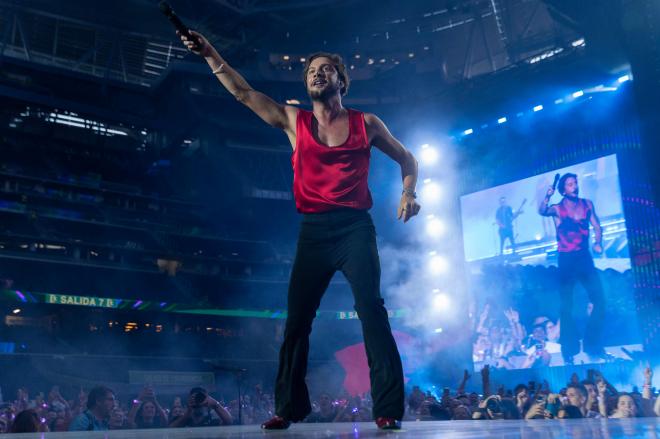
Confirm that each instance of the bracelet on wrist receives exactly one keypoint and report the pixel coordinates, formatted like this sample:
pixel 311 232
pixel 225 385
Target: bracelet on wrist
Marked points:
pixel 410 192
pixel 220 69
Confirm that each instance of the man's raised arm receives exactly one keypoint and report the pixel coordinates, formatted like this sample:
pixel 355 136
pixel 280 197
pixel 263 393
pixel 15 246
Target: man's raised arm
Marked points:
pixel 544 209
pixel 274 114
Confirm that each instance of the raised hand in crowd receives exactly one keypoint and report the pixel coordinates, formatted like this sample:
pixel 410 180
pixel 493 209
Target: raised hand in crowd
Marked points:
pixel 485 380
pixel 461 386
pixel 146 411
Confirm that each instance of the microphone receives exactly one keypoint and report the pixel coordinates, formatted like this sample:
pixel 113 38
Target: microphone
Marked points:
pixel 166 9
pixel 554 184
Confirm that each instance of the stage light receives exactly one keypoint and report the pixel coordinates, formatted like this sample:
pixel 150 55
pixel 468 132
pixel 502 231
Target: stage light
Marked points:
pixel 578 93
pixel 501 120
pixel 623 79
pixel 578 43
pixel 16 311
pixel 286 57
pixel 558 101
pixel 430 192
pixel 435 228
pixel 429 155
pixel 538 108
pixel 438 265
pixel 440 303
pixel 438 330
pixel 468 131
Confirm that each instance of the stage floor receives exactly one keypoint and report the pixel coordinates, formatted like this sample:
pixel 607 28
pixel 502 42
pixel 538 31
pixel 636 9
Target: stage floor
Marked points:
pixel 537 429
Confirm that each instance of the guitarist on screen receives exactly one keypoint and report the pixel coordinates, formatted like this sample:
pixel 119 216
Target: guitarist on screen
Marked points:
pixel 504 218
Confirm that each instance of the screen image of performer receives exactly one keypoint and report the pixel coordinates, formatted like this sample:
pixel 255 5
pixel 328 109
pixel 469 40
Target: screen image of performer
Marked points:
pixel 572 217
pixel 504 218
pixel 331 151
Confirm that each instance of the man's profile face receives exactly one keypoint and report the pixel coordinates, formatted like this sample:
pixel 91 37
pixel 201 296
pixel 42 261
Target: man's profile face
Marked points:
pixel 571 188
pixel 107 404
pixel 322 79
pixel 575 397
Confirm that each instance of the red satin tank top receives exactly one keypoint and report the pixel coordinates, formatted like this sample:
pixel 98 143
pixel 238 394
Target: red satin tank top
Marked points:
pixel 327 178
pixel 573 228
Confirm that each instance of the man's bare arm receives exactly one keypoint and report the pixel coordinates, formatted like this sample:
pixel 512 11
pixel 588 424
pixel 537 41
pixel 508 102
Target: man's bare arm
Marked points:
pixel 381 138
pixel 271 112
pixel 595 223
pixel 544 209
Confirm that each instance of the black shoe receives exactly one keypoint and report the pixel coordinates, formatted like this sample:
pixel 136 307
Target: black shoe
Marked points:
pixel 276 423
pixel 388 424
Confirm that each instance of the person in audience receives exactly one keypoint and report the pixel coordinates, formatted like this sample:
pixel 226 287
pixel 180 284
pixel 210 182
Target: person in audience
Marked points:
pixel 327 410
pixel 521 395
pixel 592 399
pixel 118 420
pixel 27 421
pixel 578 396
pixel 146 412
pixel 200 411
pixel 100 403
pixel 626 407
pixel 539 349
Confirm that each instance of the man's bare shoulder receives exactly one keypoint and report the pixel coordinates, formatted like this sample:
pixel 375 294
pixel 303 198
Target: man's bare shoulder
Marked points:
pixel 371 120
pixel 374 126
pixel 291 111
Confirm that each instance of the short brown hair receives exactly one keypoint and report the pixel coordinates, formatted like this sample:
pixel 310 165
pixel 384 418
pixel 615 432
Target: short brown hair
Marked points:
pixel 337 61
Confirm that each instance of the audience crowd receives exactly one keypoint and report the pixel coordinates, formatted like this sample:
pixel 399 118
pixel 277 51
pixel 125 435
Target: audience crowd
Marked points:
pixel 101 409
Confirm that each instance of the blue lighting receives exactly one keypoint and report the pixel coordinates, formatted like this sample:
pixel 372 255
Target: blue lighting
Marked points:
pixel 565 100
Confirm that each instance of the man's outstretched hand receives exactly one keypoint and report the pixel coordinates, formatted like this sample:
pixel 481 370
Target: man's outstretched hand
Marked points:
pixel 201 47
pixel 408 207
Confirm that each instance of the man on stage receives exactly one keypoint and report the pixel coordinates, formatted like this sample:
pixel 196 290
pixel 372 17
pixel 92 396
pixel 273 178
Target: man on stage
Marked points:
pixel 331 149
pixel 572 216
pixel 504 217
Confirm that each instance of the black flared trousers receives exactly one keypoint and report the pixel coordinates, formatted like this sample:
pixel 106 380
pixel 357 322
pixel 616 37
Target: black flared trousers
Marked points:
pixel 343 240
pixel 577 267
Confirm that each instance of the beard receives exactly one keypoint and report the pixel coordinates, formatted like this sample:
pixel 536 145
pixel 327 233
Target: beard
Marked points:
pixel 323 95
